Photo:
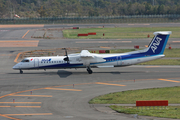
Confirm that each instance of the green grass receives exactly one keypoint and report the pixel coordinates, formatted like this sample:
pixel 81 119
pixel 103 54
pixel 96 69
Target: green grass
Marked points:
pixel 175 52
pixel 120 33
pixel 162 62
pixel 172 94
pixel 170 112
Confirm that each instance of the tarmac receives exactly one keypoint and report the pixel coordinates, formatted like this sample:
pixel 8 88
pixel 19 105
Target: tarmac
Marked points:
pixel 65 93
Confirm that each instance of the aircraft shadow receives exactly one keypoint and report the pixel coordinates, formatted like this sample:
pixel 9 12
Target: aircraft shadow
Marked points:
pixel 63 73
pixel 60 73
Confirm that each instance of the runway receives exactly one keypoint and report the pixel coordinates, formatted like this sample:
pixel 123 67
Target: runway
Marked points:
pixel 64 94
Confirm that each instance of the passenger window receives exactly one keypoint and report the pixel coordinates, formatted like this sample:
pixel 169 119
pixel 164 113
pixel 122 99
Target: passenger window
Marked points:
pixel 54 61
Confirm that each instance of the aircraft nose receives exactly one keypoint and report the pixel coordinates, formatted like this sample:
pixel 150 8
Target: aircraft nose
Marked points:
pixel 16 66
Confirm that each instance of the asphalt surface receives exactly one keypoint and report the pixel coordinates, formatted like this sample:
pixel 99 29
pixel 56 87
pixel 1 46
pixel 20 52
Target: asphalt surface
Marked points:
pixel 64 94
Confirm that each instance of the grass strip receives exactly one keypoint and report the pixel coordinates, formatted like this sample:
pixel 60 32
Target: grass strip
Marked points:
pixel 162 62
pixel 170 112
pixel 172 94
pixel 119 33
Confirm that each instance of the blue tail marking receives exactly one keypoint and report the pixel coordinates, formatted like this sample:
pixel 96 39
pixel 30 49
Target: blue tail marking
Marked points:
pixel 158 44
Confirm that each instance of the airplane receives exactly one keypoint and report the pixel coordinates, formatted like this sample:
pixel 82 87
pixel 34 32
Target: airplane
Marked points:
pixel 88 60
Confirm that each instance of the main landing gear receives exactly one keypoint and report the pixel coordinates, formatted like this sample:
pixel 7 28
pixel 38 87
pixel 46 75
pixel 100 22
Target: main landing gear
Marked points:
pixel 89 70
pixel 21 72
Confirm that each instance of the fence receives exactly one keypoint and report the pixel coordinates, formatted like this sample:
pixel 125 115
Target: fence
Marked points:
pixel 109 19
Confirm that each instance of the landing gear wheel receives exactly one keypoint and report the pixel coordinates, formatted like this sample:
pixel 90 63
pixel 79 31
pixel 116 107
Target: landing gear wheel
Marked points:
pixel 21 72
pixel 89 70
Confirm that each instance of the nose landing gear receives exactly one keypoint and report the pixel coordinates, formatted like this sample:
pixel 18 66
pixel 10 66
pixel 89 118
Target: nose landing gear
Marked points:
pixel 21 72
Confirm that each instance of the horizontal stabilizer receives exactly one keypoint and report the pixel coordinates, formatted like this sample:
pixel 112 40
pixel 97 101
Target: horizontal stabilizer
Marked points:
pixel 163 33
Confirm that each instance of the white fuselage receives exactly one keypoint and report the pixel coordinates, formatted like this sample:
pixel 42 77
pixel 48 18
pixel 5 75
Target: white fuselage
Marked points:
pixel 75 61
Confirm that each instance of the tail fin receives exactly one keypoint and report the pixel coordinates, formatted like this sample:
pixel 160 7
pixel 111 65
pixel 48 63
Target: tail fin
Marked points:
pixel 158 43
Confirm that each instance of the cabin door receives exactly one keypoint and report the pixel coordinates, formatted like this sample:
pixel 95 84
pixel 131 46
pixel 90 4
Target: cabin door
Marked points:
pixel 119 61
pixel 36 62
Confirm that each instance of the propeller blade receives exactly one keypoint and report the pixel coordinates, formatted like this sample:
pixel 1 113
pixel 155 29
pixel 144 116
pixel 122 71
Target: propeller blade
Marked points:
pixel 66 58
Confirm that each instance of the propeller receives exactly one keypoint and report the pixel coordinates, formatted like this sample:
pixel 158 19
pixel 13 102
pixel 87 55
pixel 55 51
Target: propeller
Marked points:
pixel 66 58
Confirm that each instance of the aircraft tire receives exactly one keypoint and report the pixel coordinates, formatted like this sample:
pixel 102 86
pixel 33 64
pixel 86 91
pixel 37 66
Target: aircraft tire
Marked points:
pixel 90 71
pixel 21 72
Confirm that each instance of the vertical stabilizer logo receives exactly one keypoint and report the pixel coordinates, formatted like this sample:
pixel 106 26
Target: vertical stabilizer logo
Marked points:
pixel 156 43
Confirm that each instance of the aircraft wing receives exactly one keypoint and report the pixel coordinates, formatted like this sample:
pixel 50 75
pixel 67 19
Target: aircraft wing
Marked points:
pixel 86 54
pixel 88 58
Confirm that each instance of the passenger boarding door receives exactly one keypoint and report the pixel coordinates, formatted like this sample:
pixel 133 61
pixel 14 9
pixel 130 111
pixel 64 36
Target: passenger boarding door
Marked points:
pixel 36 62
pixel 119 61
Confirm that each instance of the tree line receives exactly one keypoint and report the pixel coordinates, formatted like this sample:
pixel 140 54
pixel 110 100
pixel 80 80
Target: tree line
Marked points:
pixel 63 8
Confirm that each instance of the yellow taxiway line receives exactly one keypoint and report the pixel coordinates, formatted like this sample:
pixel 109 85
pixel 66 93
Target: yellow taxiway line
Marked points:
pixel 28 114
pixel 32 95
pixel 21 26
pixel 152 66
pixel 19 41
pixel 20 102
pixel 109 84
pixel 2 115
pixel 138 24
pixel 105 47
pixel 62 89
pixel 15 60
pixel 27 43
pixel 169 80
pixel 25 34
pixel 175 41
pixel 22 106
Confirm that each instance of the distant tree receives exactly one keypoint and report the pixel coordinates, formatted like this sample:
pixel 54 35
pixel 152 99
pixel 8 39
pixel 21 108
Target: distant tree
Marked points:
pixel 42 12
pixel 178 9
pixel 154 10
pixel 160 9
pixel 147 8
pixel 93 12
pixel 2 9
pixel 87 7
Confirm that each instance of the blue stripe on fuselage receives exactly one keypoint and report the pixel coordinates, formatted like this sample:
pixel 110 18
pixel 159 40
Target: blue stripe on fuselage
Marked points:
pixel 114 58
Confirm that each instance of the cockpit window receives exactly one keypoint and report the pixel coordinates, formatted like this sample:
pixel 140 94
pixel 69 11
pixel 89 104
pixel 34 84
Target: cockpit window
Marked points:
pixel 25 60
